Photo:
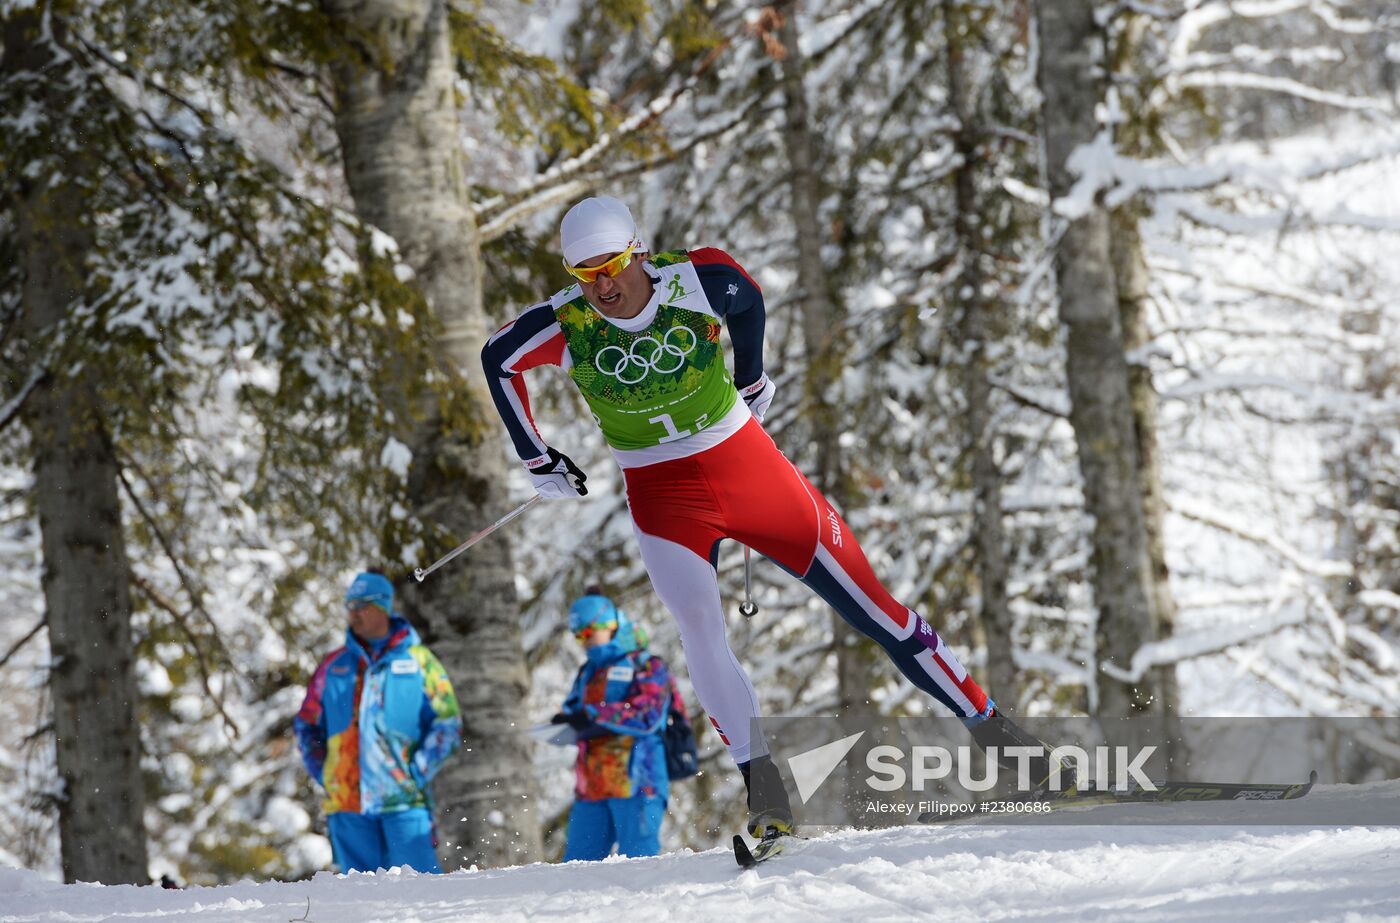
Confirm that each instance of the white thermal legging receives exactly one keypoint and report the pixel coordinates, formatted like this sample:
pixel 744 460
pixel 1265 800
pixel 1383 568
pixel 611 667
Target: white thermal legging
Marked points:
pixel 691 592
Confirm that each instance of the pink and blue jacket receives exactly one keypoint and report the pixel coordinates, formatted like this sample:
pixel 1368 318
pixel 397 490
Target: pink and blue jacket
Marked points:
pixel 626 691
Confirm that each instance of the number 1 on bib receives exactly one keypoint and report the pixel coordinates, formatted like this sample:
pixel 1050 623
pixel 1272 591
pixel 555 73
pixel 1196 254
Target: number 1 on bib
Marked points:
pixel 672 434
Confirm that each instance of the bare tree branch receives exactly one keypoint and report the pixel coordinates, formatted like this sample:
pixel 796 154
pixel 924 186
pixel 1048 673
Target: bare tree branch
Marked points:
pixel 182 622
pixel 578 173
pixel 9 411
pixel 14 649
pixel 195 594
pixel 1316 567
pixel 1026 400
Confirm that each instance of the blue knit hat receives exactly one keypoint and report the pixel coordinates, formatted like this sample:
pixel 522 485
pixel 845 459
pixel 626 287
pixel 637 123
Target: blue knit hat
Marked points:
pixel 592 609
pixel 597 609
pixel 372 588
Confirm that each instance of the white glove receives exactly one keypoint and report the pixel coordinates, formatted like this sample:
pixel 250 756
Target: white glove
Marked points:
pixel 556 477
pixel 758 396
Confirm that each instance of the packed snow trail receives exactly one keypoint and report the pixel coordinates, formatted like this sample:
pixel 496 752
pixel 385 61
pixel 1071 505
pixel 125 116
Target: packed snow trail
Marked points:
pixel 974 871
pixel 997 873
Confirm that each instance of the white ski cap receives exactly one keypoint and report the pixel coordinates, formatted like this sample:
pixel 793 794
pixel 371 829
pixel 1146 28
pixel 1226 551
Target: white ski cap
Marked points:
pixel 597 226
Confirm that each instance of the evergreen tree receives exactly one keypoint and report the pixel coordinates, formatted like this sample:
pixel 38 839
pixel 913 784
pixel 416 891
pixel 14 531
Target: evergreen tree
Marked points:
pixel 153 267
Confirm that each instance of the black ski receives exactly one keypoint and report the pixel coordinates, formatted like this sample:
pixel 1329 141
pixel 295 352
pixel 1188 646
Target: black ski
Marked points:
pixel 1170 791
pixel 770 847
pixel 1218 791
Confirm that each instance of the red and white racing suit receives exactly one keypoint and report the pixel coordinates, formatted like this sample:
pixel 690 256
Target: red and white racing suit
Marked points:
pixel 728 480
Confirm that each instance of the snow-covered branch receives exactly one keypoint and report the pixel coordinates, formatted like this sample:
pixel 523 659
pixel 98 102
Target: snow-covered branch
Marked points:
pixel 1299 560
pixel 577 172
pixel 1180 648
pixel 1380 599
pixel 1190 26
pixel 1065 669
pixel 1285 86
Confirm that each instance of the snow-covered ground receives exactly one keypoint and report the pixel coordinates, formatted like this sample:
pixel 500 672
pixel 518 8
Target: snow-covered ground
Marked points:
pixel 969 871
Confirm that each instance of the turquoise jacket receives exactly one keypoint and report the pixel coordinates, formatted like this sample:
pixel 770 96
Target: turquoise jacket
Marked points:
pixel 376 726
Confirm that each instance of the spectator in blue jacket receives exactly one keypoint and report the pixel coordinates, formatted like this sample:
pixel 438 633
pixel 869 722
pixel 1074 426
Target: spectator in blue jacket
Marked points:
pixel 378 721
pixel 618 706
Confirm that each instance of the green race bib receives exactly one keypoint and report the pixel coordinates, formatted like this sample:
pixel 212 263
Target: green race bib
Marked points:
pixel 657 385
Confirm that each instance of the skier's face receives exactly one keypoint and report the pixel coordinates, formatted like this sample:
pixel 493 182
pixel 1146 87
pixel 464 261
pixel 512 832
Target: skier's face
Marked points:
pixel 623 295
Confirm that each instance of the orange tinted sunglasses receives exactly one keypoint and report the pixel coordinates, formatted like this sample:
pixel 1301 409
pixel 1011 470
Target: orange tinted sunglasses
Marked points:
pixel 597 628
pixel 611 268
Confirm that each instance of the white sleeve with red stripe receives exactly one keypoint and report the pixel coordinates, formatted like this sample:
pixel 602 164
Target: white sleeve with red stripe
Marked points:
pixel 532 339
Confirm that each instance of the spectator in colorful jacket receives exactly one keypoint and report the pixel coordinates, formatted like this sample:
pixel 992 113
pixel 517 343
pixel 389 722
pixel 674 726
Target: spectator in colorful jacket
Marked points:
pixel 378 721
pixel 618 706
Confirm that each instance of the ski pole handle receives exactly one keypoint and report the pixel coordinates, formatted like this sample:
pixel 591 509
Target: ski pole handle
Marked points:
pixel 747 608
pixel 419 573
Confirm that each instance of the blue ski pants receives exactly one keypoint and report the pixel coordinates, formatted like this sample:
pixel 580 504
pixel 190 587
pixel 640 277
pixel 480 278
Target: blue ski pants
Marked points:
pixel 633 824
pixel 367 842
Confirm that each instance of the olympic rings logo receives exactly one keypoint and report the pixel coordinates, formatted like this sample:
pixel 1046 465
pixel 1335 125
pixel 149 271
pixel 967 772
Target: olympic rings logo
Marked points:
pixel 647 354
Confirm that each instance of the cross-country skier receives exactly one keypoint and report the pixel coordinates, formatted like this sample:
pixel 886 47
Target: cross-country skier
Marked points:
pixel 638 332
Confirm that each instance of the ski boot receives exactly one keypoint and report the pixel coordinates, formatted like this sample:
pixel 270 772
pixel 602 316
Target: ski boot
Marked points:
pixel 770 812
pixel 997 730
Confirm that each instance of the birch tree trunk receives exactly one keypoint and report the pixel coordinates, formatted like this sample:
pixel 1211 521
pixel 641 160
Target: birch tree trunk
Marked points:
pixel 1130 272
pixel 1132 55
pixel 86 590
pixel 976 328
pixel 822 320
pixel 397 122
pixel 1101 406
pixel 821 315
